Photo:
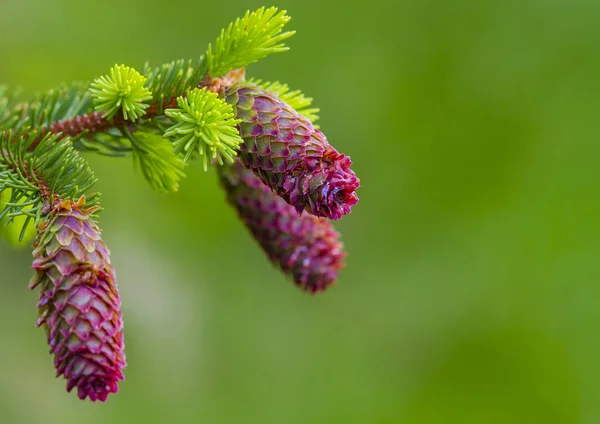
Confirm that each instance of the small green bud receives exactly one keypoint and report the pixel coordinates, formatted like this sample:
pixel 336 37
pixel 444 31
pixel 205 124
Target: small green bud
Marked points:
pixel 123 88
pixel 206 125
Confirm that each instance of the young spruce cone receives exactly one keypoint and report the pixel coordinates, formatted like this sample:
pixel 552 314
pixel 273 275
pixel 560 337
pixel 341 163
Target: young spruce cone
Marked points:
pixel 305 247
pixel 290 156
pixel 79 304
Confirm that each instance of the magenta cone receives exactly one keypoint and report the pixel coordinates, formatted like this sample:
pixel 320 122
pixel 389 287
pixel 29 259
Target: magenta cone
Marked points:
pixel 305 247
pixel 290 156
pixel 79 304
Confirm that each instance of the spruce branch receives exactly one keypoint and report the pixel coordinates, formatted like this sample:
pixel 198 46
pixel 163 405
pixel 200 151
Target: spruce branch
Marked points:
pixel 93 132
pixel 39 174
pixel 67 102
pixel 69 110
pixel 279 172
pixel 164 83
pixel 247 40
pixel 205 125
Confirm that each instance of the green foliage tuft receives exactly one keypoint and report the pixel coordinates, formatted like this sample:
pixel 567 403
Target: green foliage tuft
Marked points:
pixel 62 167
pixel 39 170
pixel 206 125
pixel 154 155
pixel 298 101
pixel 248 40
pixel 123 88
pixel 109 143
pixel 64 102
pixel 173 79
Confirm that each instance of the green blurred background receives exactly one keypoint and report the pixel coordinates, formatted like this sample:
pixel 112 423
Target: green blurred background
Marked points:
pixel 471 293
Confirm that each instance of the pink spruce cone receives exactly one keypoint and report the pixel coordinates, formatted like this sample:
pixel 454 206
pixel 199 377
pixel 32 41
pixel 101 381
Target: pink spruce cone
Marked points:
pixel 306 247
pixel 290 156
pixel 79 304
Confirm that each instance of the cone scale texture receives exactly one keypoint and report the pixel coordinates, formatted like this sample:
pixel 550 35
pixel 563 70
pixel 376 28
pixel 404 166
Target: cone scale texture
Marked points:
pixel 290 156
pixel 79 304
pixel 305 247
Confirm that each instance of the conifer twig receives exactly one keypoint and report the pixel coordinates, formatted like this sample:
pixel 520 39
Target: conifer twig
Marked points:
pixel 279 171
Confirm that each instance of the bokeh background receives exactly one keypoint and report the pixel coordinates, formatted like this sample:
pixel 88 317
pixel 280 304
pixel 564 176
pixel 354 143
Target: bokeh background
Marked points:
pixel 472 291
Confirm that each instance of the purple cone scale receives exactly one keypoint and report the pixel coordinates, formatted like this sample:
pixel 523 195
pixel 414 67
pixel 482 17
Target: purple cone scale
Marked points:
pixel 290 156
pixel 79 304
pixel 306 247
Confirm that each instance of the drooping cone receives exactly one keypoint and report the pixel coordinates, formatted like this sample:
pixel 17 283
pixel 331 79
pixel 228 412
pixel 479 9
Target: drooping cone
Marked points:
pixel 79 304
pixel 306 247
pixel 290 156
